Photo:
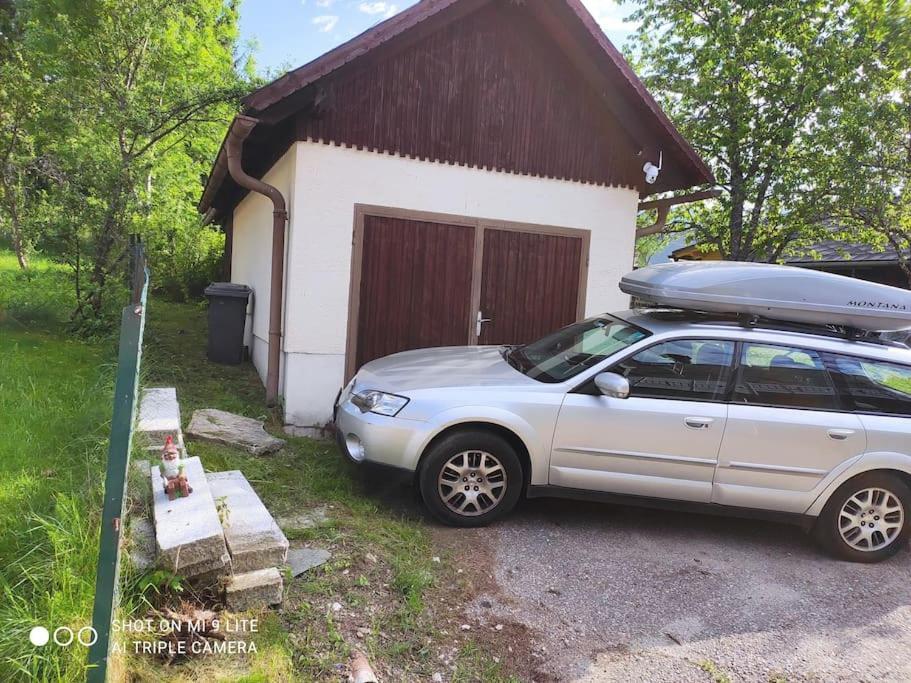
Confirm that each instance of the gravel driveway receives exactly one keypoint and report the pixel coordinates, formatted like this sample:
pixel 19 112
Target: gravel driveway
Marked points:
pixel 625 594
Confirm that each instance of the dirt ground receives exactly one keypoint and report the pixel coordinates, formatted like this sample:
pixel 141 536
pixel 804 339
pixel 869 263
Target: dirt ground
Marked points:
pixel 608 593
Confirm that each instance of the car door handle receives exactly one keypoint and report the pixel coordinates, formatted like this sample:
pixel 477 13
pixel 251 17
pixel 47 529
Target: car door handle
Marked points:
pixel 839 434
pixel 698 422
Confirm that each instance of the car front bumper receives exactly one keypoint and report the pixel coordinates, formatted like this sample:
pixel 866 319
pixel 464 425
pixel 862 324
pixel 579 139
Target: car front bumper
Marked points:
pixel 368 437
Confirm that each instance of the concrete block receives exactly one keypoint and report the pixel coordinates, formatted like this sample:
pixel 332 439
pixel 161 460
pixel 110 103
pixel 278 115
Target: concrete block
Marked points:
pixel 142 543
pixel 154 449
pixel 209 571
pixel 159 417
pixel 189 534
pixel 256 589
pixel 254 539
pixel 219 426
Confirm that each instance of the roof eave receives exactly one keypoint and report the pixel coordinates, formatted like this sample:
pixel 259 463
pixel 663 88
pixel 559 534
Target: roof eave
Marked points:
pixel 703 172
pixel 271 93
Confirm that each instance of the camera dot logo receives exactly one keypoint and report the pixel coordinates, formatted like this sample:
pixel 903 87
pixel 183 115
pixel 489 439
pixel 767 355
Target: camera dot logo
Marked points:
pixel 63 636
pixel 39 636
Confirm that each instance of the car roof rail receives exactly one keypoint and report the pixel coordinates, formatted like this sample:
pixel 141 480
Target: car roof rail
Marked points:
pixel 751 321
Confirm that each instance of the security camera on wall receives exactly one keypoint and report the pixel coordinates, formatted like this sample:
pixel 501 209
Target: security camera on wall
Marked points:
pixel 651 171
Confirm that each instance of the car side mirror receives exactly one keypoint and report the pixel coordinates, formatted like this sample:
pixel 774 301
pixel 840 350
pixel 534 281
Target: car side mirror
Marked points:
pixel 613 385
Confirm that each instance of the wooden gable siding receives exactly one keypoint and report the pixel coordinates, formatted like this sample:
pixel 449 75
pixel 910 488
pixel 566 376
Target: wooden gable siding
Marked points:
pixel 489 90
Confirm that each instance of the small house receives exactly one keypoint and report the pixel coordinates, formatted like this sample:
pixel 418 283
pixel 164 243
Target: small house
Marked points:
pixel 465 172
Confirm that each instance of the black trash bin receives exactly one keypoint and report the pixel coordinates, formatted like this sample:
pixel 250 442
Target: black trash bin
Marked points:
pixel 227 317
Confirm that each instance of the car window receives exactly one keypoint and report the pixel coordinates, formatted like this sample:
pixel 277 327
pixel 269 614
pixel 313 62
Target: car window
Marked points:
pixel 567 352
pixel 785 377
pixel 874 386
pixel 688 369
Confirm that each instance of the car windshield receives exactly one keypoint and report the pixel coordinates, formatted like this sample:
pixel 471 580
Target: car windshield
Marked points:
pixel 577 347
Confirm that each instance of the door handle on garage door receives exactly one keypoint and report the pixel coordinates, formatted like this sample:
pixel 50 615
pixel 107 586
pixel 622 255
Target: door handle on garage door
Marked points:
pixel 480 321
pixel 698 422
pixel 839 434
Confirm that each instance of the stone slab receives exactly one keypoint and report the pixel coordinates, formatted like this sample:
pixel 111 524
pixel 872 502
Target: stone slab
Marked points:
pixel 254 539
pixel 188 532
pixel 159 417
pixel 222 427
pixel 142 543
pixel 256 589
pixel 208 572
pixel 303 559
pixel 300 521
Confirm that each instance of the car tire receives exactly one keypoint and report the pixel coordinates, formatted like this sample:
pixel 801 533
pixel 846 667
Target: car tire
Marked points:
pixel 474 470
pixel 842 528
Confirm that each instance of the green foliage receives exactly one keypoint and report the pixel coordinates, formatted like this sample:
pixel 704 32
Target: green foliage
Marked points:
pixel 648 246
pixel 867 155
pixel 757 86
pixel 110 112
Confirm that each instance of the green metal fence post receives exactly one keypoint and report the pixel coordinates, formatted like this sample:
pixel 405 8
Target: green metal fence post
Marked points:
pixel 125 391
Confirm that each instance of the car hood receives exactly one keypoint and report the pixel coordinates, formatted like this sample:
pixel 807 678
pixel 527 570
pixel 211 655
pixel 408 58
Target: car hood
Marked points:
pixel 448 366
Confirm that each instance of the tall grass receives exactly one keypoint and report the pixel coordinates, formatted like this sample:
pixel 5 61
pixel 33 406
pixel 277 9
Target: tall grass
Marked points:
pixel 42 295
pixel 55 403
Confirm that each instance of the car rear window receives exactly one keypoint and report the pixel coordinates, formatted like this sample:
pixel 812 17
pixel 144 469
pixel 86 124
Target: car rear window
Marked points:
pixel 874 386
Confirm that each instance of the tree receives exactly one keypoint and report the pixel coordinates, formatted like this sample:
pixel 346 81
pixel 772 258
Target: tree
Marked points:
pixel 748 82
pixel 19 96
pixel 143 90
pixel 868 159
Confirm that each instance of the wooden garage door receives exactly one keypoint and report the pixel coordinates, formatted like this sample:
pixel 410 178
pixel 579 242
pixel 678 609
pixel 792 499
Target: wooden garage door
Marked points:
pixel 415 288
pixel 530 284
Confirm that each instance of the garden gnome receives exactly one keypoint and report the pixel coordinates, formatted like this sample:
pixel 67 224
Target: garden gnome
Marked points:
pixel 172 471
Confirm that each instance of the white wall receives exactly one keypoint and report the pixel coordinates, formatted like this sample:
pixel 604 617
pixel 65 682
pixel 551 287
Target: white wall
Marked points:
pixel 251 255
pixel 328 181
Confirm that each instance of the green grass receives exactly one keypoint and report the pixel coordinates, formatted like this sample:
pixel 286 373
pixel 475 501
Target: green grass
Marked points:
pixel 54 405
pixel 382 567
pixel 40 298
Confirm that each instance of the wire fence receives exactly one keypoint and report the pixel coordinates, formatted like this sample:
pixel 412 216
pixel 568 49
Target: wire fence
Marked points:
pixel 126 389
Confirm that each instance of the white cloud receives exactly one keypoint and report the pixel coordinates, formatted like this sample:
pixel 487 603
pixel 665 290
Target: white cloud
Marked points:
pixel 325 22
pixel 610 15
pixel 387 9
pixel 325 3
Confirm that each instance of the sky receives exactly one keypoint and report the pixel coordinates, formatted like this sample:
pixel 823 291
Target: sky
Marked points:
pixel 286 34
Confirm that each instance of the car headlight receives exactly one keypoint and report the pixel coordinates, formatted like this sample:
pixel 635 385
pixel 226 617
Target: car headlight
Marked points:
pixel 379 402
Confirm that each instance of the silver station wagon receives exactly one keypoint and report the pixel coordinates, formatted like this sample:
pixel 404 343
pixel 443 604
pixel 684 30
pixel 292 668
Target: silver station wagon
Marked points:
pixel 653 407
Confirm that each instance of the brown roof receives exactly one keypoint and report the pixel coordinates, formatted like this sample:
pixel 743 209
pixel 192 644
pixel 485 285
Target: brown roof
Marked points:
pixel 275 101
pixel 839 251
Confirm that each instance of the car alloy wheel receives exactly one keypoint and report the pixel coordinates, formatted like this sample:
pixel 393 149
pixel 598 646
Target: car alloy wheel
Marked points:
pixel 871 519
pixel 472 483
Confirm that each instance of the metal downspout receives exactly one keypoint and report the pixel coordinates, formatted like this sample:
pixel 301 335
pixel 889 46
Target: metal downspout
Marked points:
pixel 240 129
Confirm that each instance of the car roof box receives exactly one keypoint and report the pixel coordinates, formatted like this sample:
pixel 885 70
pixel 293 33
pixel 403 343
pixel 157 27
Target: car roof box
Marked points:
pixel 786 293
